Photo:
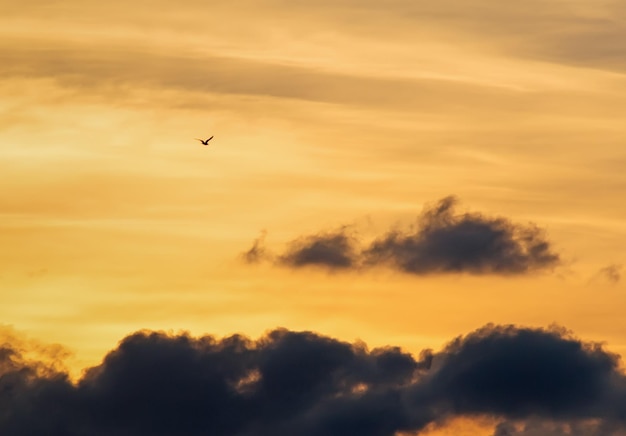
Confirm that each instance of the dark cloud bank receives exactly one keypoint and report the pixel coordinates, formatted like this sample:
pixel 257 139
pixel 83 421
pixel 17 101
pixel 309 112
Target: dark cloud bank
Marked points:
pixel 301 383
pixel 442 241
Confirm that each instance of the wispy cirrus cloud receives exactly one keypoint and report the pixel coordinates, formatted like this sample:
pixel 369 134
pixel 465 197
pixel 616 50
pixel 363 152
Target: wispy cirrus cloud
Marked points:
pixel 587 36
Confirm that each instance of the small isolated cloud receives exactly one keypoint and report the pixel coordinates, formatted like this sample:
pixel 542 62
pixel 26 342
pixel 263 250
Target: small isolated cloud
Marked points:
pixel 334 250
pixel 257 252
pixel 611 273
pixel 441 242
pixel 302 383
pixel 444 241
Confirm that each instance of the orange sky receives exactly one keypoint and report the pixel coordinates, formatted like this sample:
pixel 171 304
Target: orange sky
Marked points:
pixel 113 218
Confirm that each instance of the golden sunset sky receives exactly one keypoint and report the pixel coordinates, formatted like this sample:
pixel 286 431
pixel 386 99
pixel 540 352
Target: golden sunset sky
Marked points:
pixel 113 218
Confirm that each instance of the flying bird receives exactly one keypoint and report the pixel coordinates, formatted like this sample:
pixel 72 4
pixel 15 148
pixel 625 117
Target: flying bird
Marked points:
pixel 205 141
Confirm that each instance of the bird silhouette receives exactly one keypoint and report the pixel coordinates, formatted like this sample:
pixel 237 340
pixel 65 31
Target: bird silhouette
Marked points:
pixel 205 141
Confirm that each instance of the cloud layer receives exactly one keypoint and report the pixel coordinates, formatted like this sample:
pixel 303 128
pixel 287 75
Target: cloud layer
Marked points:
pixel 288 383
pixel 442 241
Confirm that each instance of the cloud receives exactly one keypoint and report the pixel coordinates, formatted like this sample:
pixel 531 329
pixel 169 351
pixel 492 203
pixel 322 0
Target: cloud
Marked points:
pixel 612 273
pixel 19 351
pixel 448 242
pixel 101 70
pixel 158 384
pixel 537 427
pixel 335 250
pixel 441 242
pixel 587 36
pixel 513 372
pixel 257 252
pixel 288 382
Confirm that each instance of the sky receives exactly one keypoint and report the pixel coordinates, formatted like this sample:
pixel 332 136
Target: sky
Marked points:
pixel 386 177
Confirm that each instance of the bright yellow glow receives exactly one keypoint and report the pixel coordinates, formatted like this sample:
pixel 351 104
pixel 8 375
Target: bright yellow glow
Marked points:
pixel 113 218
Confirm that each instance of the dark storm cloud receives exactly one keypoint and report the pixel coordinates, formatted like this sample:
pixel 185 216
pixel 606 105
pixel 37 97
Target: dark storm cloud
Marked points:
pixel 288 383
pixel 442 241
pixel 550 373
pixel 154 384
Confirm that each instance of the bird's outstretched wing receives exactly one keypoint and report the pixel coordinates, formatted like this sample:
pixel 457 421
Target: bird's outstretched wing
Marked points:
pixel 205 141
